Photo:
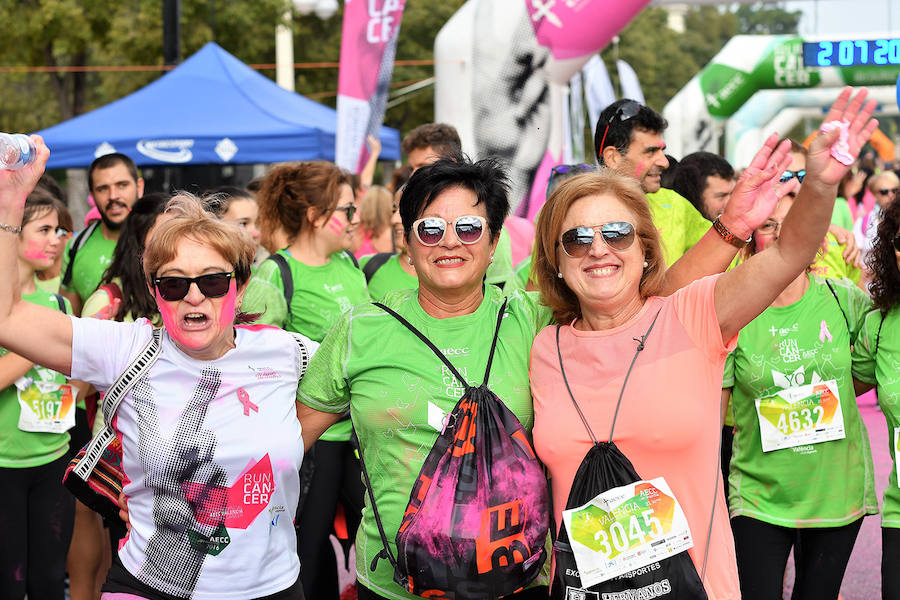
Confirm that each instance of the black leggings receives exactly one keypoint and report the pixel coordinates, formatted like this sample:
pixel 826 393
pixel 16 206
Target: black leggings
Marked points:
pixel 890 559
pixel 820 558
pixel 536 593
pixel 36 518
pixel 337 478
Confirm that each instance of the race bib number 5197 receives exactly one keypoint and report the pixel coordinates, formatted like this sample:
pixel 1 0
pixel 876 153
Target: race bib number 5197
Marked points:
pixel 626 528
pixel 47 407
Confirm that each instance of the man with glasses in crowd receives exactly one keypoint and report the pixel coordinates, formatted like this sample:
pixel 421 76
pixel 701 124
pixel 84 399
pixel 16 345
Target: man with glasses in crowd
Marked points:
pixel 628 139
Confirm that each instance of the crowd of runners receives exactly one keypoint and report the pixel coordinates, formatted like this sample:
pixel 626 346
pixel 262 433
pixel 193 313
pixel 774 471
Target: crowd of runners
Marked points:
pixel 278 367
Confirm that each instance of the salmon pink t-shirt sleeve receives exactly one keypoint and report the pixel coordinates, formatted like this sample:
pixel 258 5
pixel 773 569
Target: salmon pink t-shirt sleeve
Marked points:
pixel 668 424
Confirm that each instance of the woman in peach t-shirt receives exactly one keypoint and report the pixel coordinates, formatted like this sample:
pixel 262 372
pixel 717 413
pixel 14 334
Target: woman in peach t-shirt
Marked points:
pixel 604 291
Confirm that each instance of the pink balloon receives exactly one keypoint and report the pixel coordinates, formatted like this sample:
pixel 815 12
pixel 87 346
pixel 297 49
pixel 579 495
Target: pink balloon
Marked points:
pixel 572 28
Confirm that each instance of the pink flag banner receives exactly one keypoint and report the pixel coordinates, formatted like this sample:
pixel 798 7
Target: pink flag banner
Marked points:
pixel 368 47
pixel 573 28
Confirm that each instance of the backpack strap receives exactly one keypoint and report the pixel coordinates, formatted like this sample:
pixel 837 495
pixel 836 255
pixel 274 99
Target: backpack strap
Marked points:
pixel 386 549
pixel 375 263
pixel 61 302
pixel 287 280
pixel 77 242
pixel 880 324
pixel 440 354
pixel 841 308
pixel 352 257
pixel 138 367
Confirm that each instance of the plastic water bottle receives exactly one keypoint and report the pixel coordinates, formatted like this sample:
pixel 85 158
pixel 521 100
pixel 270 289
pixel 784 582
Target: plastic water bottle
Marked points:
pixel 16 151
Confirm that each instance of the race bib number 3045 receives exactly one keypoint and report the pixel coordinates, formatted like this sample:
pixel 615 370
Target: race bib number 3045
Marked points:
pixel 626 528
pixel 807 414
pixel 47 407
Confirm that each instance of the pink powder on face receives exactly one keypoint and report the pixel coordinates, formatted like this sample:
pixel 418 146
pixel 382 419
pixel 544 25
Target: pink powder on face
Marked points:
pixel 35 251
pixel 170 319
pixel 639 171
pixel 226 314
pixel 335 225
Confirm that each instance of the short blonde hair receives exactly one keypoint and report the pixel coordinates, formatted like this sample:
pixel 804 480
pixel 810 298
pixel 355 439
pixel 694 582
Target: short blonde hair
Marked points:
pixel 376 209
pixel 554 291
pixel 189 219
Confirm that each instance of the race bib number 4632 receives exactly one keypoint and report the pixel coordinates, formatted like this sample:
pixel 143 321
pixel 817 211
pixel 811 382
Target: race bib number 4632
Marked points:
pixel 807 414
pixel 626 528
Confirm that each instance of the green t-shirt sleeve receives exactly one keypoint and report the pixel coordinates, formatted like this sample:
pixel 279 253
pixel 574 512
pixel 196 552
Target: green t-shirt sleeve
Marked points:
pixel 65 265
pixel 728 374
pixel 265 295
pixel 860 305
pixel 325 386
pixel 695 225
pixel 864 349
pixel 841 215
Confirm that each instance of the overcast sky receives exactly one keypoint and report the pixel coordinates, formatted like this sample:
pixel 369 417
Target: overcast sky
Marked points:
pixel 846 17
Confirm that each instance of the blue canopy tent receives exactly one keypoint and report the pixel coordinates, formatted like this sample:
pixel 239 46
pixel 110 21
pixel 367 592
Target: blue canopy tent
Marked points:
pixel 210 109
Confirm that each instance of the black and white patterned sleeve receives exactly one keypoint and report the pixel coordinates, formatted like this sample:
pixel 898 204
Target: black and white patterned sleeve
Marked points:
pixel 305 350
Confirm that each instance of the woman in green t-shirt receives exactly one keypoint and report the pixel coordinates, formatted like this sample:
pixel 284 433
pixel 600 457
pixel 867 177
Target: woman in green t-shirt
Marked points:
pixel 311 206
pixel 801 468
pixel 398 392
pixel 876 363
pixel 37 408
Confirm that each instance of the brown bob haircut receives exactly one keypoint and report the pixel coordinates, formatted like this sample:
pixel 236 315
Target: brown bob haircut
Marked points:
pixel 188 219
pixel 554 291
pixel 289 190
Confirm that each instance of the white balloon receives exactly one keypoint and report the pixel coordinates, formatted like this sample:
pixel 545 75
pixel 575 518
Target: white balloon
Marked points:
pixel 304 7
pixel 325 9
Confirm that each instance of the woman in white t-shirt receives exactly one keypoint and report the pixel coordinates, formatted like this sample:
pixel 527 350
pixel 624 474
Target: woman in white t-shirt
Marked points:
pixel 211 443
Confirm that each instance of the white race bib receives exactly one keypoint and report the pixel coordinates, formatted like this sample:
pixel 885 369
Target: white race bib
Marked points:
pixel 626 528
pixel 46 406
pixel 797 416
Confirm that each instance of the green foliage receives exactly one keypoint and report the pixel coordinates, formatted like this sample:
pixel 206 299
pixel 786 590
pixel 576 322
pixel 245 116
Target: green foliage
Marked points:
pixel 767 19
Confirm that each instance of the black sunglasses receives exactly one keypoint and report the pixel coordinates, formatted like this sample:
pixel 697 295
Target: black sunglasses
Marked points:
pixel 350 209
pixel 577 242
pixel 211 285
pixel 627 110
pixel 897 243
pixel 788 175
pixel 893 191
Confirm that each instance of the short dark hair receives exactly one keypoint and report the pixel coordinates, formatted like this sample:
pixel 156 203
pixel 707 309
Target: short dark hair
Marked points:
pixel 690 177
pixel 620 134
pixel 108 161
pixel 486 178
pixel 441 137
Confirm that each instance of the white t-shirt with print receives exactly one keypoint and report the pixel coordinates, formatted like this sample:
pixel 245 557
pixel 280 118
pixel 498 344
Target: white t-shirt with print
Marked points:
pixel 211 453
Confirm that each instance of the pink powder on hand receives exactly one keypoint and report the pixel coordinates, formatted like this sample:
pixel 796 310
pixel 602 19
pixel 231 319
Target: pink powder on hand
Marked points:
pixel 840 150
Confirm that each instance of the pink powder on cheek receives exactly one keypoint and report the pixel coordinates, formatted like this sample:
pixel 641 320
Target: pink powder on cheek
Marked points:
pixel 335 225
pixel 226 314
pixel 35 251
pixel 639 171
pixel 170 319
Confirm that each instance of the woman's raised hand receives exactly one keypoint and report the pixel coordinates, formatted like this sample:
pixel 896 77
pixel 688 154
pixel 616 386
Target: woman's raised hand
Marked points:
pixel 757 191
pixel 16 185
pixel 821 165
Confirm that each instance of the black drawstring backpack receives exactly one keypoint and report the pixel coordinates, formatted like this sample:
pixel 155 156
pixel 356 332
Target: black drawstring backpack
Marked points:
pixel 604 467
pixel 478 513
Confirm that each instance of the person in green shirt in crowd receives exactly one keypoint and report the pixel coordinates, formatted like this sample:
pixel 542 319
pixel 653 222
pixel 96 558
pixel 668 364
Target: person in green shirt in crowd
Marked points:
pixel 452 212
pixel 311 205
pixel 394 271
pixel 876 363
pixel 36 412
pixel 115 185
pixel 801 468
